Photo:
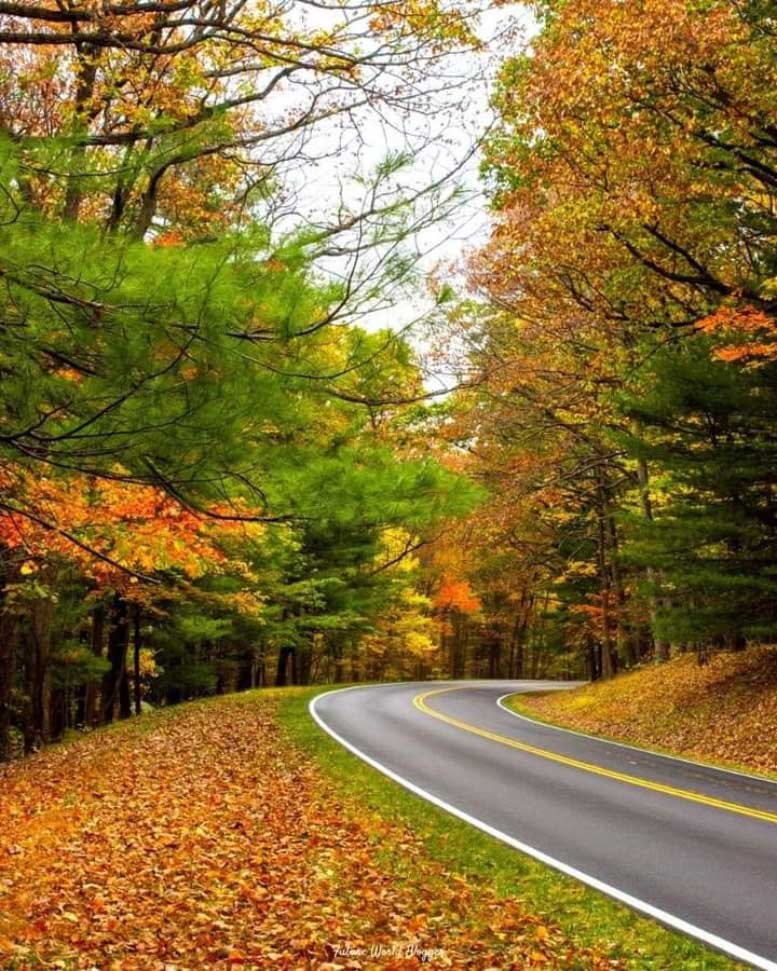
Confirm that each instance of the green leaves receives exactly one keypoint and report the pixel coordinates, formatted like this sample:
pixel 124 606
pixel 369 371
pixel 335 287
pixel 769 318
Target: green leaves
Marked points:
pixel 709 427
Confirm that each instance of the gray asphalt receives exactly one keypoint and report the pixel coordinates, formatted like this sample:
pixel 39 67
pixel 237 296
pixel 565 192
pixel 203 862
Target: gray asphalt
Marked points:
pixel 711 868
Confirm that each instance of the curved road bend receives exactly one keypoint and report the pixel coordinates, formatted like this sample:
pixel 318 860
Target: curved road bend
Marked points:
pixel 693 846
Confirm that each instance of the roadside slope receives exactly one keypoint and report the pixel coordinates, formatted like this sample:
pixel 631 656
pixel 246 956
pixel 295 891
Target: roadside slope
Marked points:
pixel 199 837
pixel 724 712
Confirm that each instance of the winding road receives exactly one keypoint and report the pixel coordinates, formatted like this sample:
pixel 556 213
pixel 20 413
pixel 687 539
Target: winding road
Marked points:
pixel 695 847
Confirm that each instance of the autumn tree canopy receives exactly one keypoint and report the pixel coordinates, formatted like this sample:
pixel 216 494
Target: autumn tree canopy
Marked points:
pixel 197 451
pixel 218 471
pixel 623 343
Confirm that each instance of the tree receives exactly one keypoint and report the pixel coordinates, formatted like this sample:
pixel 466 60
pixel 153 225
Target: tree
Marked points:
pixel 708 425
pixel 632 174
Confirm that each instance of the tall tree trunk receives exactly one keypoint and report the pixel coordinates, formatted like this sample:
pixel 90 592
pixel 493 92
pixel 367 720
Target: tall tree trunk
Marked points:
pixel 458 645
pixel 87 76
pixel 118 643
pixel 6 681
pixel 539 640
pixel 261 667
pixel 337 656
pixel 494 656
pixel 92 690
pixel 446 652
pixel 604 586
pixel 661 646
pixel 136 646
pixel 9 636
pixel 37 724
pixel 519 634
pixel 125 703
pixel 285 653
pixel 306 661
pixel 354 657
pixel 595 659
pixel 626 646
pixel 59 704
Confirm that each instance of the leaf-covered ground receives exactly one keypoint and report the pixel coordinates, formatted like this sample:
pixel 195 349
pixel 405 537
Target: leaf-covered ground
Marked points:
pixel 199 838
pixel 725 711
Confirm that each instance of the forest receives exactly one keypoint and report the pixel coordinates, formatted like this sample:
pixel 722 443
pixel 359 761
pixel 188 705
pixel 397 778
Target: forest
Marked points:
pixel 222 468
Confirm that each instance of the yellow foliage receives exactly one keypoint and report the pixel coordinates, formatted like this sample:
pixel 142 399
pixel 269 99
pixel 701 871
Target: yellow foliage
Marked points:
pixel 723 711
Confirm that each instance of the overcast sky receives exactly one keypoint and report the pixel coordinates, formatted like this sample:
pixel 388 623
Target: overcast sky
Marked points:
pixel 438 140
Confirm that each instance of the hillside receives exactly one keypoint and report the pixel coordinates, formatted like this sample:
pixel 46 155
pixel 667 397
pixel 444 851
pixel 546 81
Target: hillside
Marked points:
pixel 725 711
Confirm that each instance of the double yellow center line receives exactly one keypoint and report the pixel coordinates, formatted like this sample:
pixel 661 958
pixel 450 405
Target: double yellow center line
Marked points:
pixel 732 807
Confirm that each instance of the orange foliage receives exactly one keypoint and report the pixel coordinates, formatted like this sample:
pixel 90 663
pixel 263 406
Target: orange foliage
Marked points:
pixel 456 595
pixel 137 527
pixel 203 840
pixel 724 711
pixel 752 334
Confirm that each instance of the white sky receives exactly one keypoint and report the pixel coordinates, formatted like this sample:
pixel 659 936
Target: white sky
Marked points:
pixel 439 140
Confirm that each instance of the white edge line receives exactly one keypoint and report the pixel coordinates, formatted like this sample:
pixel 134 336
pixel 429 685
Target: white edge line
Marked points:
pixel 677 923
pixel 632 748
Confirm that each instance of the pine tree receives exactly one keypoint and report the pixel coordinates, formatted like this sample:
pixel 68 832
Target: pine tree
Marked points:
pixel 710 427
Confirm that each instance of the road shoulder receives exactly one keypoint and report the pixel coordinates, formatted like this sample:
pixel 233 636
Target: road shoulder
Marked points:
pixel 585 916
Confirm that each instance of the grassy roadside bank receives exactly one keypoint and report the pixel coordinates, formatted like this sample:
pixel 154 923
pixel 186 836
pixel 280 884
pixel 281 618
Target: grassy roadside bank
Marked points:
pixel 585 917
pixel 724 713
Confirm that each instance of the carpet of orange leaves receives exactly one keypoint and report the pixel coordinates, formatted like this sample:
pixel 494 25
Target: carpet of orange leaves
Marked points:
pixel 199 839
pixel 725 711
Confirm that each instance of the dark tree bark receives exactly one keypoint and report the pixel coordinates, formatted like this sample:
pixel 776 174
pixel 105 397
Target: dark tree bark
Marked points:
pixel 246 670
pixel 118 643
pixel 305 661
pixel 517 642
pixel 136 645
pixel 37 727
pixel 9 635
pixel 594 660
pixel 259 669
pixel 336 653
pixel 662 647
pixel 458 655
pixel 59 705
pixel 494 656
pixel 125 704
pixel 605 587
pixel 91 711
pixel 285 654
pixel 86 82
pixel 626 636
pixel 6 680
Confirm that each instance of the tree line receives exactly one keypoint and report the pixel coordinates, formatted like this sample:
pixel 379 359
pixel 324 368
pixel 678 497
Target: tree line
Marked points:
pixel 619 337
pixel 205 482
pixel 214 477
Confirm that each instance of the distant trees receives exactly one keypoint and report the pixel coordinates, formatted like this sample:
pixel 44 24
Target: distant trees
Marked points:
pixel 709 426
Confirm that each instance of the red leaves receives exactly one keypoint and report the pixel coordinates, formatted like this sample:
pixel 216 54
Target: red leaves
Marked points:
pixel 456 595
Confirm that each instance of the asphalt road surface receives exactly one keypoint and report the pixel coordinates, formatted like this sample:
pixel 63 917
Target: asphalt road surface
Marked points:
pixel 692 846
